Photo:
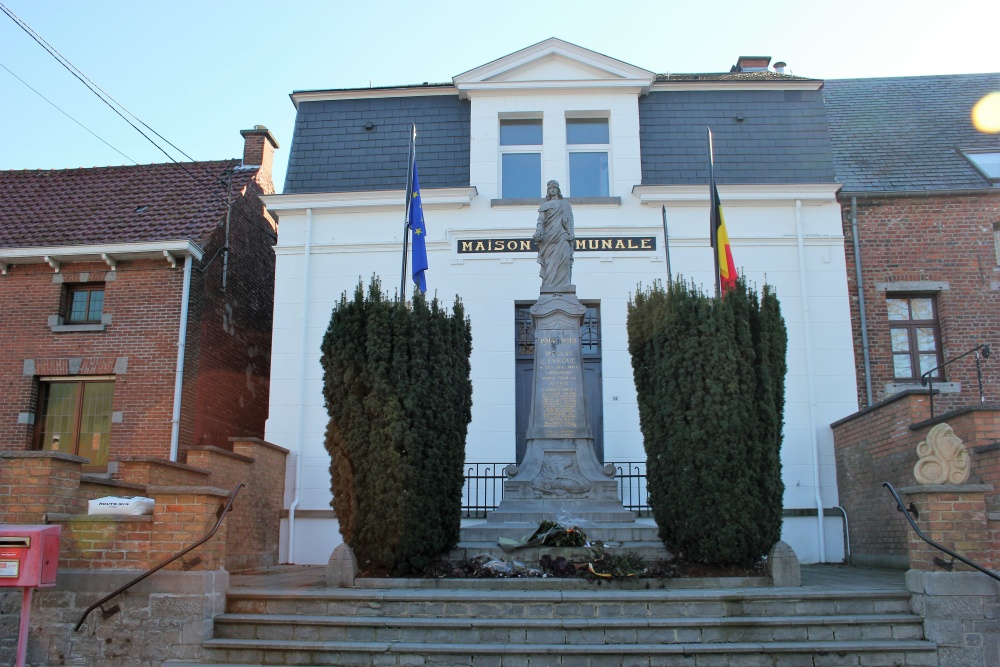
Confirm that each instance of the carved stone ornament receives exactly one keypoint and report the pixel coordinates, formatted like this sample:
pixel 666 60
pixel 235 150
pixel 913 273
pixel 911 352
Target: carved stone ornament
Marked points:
pixel 943 458
pixel 560 476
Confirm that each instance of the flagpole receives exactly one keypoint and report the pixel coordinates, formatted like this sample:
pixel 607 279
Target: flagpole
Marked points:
pixel 412 155
pixel 666 246
pixel 713 216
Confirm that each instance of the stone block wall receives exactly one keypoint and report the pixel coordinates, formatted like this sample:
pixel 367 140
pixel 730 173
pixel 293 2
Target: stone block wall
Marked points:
pixel 165 617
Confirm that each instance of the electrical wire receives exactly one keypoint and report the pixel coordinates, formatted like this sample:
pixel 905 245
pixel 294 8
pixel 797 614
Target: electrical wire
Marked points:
pixel 63 112
pixel 118 108
pixel 112 103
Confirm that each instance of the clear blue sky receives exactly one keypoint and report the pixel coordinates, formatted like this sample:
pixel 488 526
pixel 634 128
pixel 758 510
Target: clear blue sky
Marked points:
pixel 198 72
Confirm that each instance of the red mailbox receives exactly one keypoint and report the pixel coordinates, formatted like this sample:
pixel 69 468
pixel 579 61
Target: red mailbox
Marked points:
pixel 29 559
pixel 29 555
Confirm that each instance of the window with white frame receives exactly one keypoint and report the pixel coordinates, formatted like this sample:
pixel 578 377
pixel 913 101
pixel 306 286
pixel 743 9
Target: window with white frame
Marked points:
pixel 588 141
pixel 520 158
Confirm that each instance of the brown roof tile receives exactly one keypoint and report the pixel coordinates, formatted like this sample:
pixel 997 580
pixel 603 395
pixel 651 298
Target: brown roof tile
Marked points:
pixel 132 204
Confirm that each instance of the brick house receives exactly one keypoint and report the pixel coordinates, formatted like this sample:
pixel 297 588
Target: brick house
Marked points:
pixel 921 184
pixel 921 218
pixel 136 306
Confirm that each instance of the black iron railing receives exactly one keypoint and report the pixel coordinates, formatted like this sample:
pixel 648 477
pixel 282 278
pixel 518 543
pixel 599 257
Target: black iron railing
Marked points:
pixel 484 487
pixel 927 379
pixel 114 609
pixel 913 524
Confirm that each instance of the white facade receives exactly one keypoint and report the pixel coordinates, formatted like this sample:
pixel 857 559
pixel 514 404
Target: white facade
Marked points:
pixel 789 236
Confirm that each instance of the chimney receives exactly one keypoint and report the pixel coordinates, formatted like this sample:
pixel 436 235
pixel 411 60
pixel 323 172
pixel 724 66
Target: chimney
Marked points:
pixel 258 151
pixel 780 66
pixel 751 64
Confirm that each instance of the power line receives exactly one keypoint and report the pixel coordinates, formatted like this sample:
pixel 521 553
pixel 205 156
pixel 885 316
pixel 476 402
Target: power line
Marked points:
pixel 63 112
pixel 114 105
pixel 111 102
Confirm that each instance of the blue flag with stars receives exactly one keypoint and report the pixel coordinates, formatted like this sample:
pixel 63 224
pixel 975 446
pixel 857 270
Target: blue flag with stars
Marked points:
pixel 419 232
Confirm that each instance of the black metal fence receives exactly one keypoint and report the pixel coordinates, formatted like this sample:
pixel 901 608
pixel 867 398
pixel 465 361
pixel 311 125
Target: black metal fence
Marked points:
pixel 483 489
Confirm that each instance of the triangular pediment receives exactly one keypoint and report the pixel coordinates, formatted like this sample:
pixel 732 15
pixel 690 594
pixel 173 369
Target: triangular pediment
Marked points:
pixel 553 64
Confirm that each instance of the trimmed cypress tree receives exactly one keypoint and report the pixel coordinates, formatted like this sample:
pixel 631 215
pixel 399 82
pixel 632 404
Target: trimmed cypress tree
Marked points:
pixel 710 380
pixel 398 391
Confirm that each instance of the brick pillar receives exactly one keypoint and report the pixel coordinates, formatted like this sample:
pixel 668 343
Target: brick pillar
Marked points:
pixel 33 484
pixel 955 517
pixel 183 515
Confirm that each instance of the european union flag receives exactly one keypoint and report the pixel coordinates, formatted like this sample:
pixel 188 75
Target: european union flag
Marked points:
pixel 419 233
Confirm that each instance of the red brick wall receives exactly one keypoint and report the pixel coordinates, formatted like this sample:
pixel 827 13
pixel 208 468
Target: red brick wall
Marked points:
pixel 944 238
pixel 227 374
pixel 143 300
pixel 956 520
pixel 227 362
pixel 878 445
pixel 46 487
pixel 256 517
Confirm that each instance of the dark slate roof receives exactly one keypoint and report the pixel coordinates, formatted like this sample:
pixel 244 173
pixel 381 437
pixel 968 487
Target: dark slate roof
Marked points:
pixel 903 134
pixel 66 207
pixel 333 152
pixel 783 137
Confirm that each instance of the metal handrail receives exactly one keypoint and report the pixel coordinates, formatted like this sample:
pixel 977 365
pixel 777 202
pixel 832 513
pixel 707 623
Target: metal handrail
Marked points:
pixel 223 511
pixel 913 524
pixel 927 381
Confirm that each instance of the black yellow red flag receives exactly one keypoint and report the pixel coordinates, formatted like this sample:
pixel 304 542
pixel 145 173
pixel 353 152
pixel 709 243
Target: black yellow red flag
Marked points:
pixel 725 267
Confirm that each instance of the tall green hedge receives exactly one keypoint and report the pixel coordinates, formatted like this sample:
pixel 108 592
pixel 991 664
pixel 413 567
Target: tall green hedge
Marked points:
pixel 398 391
pixel 710 379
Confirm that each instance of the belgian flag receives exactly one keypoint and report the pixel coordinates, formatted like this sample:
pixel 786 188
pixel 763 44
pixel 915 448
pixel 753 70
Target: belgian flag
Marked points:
pixel 725 267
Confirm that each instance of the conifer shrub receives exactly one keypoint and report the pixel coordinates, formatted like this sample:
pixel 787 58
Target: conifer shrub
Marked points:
pixel 397 388
pixel 710 375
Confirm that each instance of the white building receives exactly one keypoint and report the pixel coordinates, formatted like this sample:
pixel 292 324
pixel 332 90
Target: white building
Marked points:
pixel 623 142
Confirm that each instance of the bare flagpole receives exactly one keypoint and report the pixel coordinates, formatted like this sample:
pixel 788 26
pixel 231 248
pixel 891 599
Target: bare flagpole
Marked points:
pixel 666 246
pixel 411 155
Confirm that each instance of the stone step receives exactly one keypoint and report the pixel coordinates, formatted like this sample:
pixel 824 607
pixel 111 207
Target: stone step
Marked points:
pixel 507 630
pixel 461 600
pixel 744 654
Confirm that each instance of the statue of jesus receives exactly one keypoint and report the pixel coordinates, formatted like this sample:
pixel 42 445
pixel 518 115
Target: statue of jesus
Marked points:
pixel 554 236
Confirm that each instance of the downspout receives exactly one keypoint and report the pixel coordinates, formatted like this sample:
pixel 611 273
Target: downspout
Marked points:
pixel 229 216
pixel 861 300
pixel 175 421
pixel 299 428
pixel 806 323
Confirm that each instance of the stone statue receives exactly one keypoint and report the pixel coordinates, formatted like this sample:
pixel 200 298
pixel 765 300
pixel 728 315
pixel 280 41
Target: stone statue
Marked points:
pixel 555 236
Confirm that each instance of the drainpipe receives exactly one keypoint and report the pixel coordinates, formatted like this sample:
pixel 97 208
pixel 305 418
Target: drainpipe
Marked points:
pixel 299 428
pixel 861 300
pixel 806 323
pixel 175 421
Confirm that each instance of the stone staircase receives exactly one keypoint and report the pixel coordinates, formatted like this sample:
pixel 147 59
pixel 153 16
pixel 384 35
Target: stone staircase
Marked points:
pixel 566 623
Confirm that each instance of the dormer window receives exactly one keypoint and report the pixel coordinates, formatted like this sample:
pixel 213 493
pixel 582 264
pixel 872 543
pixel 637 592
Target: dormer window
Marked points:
pixel 521 158
pixel 589 143
pixel 85 304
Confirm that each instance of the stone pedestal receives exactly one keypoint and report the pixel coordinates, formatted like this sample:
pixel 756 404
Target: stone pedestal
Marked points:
pixel 560 476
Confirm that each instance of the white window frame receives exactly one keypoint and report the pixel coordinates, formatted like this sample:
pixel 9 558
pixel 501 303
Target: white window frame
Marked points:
pixel 532 149
pixel 588 148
